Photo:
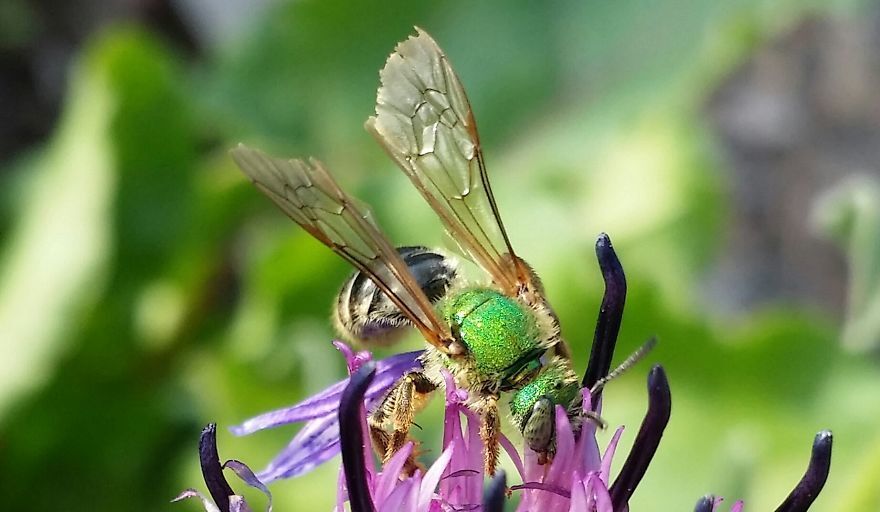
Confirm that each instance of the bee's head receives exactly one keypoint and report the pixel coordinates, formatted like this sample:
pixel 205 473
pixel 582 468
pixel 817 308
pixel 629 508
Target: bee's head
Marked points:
pixel 555 384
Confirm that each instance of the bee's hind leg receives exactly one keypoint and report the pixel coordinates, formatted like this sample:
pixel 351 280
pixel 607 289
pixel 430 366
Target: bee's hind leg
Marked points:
pixel 490 430
pixel 399 406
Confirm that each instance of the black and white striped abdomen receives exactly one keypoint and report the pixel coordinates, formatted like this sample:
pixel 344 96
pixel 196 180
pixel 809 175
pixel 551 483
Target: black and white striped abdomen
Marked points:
pixel 365 314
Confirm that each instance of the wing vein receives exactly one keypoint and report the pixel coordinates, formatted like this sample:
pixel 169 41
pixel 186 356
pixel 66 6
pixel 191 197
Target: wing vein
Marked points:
pixel 310 196
pixel 424 122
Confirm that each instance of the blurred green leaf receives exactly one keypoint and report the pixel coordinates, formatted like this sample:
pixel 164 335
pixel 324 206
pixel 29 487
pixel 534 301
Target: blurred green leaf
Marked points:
pixel 850 215
pixel 118 189
pixel 55 257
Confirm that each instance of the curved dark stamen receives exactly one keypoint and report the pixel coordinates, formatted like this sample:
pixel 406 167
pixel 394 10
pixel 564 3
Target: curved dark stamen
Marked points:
pixel 495 493
pixel 351 438
pixel 559 491
pixel 212 471
pixel 806 491
pixel 706 504
pixel 610 314
pixel 647 440
pixel 460 473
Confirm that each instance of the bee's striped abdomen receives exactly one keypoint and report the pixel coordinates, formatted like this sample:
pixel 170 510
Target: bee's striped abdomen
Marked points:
pixel 365 314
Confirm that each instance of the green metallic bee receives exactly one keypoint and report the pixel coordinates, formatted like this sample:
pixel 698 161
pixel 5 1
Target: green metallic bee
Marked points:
pixel 497 337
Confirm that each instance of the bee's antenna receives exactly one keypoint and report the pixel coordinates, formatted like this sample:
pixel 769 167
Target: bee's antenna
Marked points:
pixel 595 418
pixel 628 363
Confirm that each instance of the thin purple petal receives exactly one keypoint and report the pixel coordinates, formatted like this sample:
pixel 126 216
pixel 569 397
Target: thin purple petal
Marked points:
pixel 467 461
pixel 390 475
pixel 513 454
pixel 326 403
pixel 316 443
pixel 806 491
pixel 603 497
pixel 247 476
pixel 605 471
pixel 588 447
pixel 563 463
pixel 534 471
pixel 401 495
pixel 341 491
pixel 432 478
pixel 473 459
pixel 591 495
pixel 353 359
pixel 578 494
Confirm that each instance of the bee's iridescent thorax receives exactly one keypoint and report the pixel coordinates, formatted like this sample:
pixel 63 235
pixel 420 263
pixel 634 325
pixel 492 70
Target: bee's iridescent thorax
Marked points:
pixel 503 336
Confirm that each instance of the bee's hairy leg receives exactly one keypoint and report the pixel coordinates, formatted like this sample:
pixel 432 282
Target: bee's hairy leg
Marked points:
pixel 405 395
pixel 381 438
pixel 490 429
pixel 398 406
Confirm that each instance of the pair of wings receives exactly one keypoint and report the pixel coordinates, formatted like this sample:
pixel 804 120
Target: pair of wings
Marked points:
pixel 424 122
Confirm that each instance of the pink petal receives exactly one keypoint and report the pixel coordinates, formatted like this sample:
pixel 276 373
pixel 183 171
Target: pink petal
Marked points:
pixel 513 454
pixel 603 498
pixel 588 448
pixel 578 494
pixel 561 467
pixel 587 399
pixel 390 475
pixel 605 470
pixel 474 486
pixel 341 491
pixel 400 496
pixel 432 478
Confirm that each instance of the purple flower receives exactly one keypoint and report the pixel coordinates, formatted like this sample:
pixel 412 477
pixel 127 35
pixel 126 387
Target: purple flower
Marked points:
pixel 577 479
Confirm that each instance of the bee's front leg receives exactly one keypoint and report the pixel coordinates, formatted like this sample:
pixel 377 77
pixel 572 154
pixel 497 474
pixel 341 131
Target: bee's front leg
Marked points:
pixel 490 429
pixel 399 406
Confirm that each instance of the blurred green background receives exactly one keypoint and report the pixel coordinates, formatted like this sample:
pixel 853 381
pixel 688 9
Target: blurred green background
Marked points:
pixel 730 149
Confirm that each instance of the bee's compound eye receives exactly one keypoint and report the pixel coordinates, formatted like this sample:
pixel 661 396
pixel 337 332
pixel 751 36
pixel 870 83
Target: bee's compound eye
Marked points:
pixel 538 428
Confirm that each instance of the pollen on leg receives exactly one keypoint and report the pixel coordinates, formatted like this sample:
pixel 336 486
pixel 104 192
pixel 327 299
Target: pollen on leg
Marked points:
pixel 490 429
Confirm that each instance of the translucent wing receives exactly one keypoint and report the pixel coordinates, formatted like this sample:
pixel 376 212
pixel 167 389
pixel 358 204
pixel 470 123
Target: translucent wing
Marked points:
pixel 424 122
pixel 310 196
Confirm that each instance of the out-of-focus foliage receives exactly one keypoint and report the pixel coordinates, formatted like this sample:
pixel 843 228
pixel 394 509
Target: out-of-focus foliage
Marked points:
pixel 146 288
pixel 850 214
